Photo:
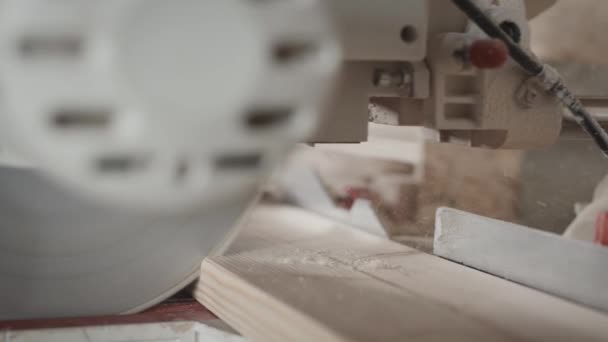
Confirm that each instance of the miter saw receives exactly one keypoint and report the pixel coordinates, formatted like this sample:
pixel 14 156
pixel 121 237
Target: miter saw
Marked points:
pixel 135 132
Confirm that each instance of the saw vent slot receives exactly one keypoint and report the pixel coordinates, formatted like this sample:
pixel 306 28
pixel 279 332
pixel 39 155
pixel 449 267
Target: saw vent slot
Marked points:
pixel 182 168
pixel 264 118
pixel 120 164
pixel 239 161
pixel 40 46
pixel 82 118
pixel 291 51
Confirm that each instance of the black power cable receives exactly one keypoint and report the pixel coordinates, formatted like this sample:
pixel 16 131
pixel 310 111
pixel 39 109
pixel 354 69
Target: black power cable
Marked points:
pixel 551 80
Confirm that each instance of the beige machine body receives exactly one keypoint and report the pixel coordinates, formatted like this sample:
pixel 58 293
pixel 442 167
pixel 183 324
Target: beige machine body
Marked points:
pixel 417 66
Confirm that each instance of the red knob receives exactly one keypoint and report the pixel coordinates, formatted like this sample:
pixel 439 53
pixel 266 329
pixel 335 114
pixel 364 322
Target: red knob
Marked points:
pixel 601 229
pixel 488 53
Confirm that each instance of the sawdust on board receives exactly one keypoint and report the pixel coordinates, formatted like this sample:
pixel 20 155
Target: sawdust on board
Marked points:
pixel 346 260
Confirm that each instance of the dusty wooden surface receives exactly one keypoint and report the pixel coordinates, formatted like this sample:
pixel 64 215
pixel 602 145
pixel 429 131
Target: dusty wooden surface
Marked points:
pixel 293 276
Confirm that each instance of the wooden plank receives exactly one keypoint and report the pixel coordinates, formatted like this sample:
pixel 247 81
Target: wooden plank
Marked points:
pixel 568 268
pixel 294 276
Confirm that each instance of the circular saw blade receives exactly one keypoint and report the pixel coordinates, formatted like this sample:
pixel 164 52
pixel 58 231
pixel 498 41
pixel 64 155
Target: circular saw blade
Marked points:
pixel 61 255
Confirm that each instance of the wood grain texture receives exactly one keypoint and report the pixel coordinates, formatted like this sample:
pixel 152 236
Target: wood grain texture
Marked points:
pixel 293 276
pixel 568 268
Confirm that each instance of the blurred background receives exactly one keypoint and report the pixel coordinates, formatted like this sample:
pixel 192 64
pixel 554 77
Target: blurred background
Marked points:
pixel 543 189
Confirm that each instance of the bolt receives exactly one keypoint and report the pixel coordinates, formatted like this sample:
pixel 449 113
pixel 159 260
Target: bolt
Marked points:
pixel 531 95
pixel 528 94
